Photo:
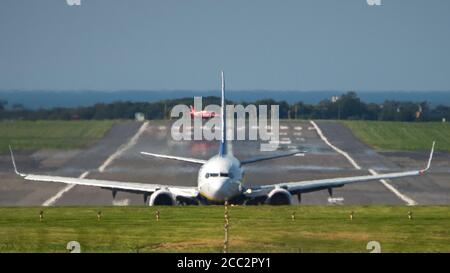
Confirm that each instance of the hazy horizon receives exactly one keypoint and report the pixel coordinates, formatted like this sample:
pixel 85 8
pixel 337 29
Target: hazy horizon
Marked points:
pixel 50 99
pixel 217 89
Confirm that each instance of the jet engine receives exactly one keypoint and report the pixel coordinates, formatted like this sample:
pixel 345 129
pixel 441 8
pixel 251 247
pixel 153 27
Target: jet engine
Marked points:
pixel 162 198
pixel 279 196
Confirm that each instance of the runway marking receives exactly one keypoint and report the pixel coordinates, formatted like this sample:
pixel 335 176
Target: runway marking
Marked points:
pixel 283 142
pixel 325 139
pixel 336 200
pixel 52 200
pixel 123 148
pixel 406 199
pixel 123 202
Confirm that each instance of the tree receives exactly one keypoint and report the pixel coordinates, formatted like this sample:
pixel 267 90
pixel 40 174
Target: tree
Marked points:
pixel 3 103
pixel 18 107
pixel 350 106
pixel 440 112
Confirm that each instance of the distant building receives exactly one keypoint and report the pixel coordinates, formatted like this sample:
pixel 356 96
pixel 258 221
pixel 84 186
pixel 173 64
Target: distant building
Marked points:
pixel 334 99
pixel 139 116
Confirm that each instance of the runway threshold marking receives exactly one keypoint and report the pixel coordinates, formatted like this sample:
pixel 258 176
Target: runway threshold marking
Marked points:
pixel 133 140
pixel 409 201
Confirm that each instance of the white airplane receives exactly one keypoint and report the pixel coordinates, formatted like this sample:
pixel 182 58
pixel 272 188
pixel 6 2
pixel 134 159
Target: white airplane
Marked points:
pixel 220 180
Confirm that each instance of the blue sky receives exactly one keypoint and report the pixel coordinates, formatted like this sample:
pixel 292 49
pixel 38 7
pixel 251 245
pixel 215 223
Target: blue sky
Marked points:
pixel 261 44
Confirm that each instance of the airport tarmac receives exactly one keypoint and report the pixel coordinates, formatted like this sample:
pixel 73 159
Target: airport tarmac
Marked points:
pixel 118 154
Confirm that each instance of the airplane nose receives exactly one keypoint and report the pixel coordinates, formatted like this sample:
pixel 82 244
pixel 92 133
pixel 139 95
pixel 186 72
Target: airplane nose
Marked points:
pixel 221 189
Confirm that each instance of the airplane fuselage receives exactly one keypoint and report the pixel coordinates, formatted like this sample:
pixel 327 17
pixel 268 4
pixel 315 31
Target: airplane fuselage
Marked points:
pixel 220 178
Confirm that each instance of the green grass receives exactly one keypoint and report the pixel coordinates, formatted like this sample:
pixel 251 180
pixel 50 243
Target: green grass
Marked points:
pixel 408 136
pixel 32 135
pixel 252 228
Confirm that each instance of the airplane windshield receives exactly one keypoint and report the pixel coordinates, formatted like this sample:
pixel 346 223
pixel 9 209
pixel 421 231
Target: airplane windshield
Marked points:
pixel 217 175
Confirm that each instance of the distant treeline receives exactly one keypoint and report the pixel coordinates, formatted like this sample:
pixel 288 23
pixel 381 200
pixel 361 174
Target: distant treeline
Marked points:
pixel 347 106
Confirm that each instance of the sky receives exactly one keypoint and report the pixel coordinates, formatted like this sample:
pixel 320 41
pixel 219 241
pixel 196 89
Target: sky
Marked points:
pixel 260 44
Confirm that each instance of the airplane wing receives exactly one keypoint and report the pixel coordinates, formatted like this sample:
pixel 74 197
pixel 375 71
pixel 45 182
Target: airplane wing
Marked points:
pixel 107 184
pixel 186 159
pixel 320 184
pixel 262 158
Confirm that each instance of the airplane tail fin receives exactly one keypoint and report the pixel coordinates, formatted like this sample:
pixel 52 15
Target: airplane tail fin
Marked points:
pixel 223 141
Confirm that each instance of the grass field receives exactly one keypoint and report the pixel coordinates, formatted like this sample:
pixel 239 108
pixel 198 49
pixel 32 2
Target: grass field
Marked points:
pixel 31 135
pixel 252 228
pixel 410 136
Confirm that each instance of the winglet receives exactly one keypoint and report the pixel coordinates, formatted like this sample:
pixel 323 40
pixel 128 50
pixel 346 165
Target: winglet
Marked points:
pixel 429 159
pixel 14 162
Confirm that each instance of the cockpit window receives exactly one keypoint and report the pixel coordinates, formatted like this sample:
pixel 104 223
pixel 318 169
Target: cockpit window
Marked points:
pixel 207 175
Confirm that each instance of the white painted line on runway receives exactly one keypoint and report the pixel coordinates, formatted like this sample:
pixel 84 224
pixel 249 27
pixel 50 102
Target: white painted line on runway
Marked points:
pixel 123 202
pixel 406 199
pixel 52 200
pixel 336 200
pixel 325 139
pixel 123 148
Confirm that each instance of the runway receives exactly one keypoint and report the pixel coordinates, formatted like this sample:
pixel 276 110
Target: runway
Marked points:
pixel 430 189
pixel 124 142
